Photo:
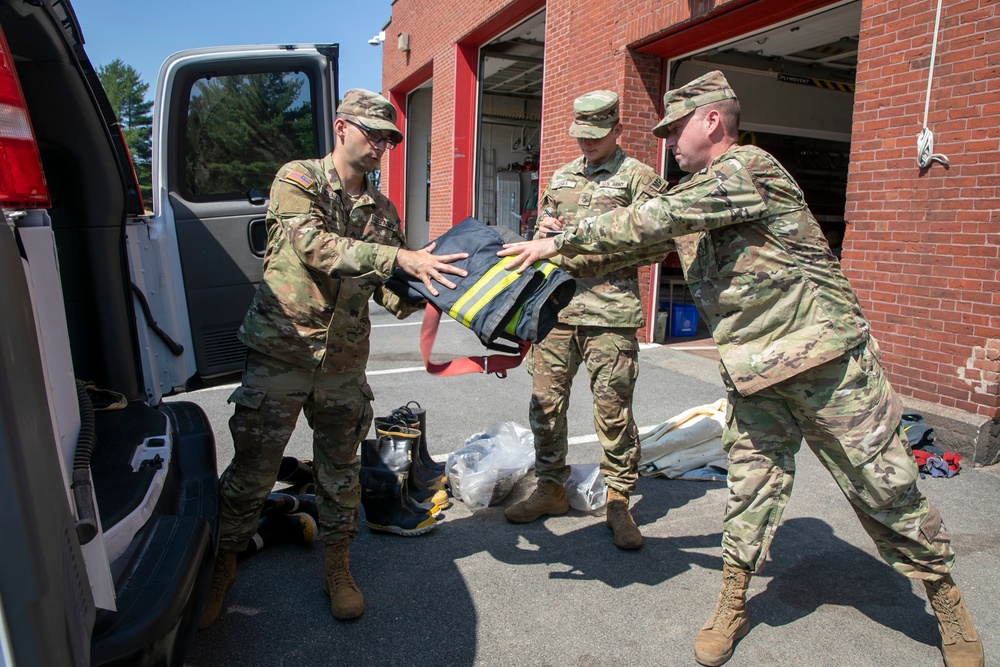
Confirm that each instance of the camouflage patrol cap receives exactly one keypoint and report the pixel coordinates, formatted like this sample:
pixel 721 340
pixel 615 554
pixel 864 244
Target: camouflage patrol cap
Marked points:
pixel 677 103
pixel 372 110
pixel 594 115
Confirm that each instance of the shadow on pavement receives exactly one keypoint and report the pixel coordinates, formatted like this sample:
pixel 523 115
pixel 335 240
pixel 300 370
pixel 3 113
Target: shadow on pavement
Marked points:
pixel 421 593
pixel 811 567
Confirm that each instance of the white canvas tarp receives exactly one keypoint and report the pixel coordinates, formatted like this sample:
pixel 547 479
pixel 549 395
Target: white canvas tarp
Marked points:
pixel 691 440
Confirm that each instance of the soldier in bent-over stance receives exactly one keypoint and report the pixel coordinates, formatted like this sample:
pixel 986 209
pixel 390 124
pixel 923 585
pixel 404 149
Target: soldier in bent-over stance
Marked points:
pixel 798 359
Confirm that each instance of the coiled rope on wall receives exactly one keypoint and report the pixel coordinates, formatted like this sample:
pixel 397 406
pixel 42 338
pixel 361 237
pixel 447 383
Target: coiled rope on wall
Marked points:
pixel 925 140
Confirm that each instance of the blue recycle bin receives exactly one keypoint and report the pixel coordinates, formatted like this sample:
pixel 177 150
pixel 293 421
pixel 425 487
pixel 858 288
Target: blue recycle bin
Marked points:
pixel 683 320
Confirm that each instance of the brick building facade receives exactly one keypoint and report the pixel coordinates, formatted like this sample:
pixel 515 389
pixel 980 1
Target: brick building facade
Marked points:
pixel 845 102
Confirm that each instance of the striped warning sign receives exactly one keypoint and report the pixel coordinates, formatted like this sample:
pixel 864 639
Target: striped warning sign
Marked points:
pixel 818 83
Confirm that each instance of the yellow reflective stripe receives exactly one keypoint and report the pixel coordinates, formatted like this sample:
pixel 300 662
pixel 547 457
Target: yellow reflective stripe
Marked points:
pixel 471 298
pixel 512 325
pixel 498 286
pixel 488 286
pixel 546 267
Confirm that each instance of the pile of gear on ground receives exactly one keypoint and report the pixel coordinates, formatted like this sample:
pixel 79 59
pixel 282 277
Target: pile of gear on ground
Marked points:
pixel 404 490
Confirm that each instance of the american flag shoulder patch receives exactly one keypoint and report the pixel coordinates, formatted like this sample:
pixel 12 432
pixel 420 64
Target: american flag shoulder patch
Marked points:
pixel 298 178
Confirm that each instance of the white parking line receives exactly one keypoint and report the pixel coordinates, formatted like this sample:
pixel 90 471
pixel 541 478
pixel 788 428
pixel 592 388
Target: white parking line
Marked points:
pixel 583 439
pixel 391 371
pixel 408 324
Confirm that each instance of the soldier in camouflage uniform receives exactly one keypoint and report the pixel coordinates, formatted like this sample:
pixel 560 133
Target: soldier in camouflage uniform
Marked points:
pixel 798 359
pixel 332 240
pixel 597 328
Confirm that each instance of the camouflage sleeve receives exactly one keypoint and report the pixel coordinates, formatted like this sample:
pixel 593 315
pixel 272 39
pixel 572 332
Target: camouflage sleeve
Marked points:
pixel 723 195
pixel 645 185
pixel 297 205
pixel 589 266
pixel 393 303
pixel 546 206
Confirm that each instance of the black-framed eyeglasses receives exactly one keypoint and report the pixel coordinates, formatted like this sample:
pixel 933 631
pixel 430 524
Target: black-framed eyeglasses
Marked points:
pixel 372 136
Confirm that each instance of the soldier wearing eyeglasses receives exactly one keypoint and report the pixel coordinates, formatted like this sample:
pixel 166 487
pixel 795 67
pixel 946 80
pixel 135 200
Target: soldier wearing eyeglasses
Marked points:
pixel 332 241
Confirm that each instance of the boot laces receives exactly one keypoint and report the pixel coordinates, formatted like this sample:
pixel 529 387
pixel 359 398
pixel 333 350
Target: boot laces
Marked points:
pixel 220 576
pixel 539 494
pixel 729 590
pixel 341 571
pixel 950 622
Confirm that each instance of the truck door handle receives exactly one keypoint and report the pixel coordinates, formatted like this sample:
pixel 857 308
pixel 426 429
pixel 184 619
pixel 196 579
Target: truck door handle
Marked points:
pixel 254 197
pixel 257 237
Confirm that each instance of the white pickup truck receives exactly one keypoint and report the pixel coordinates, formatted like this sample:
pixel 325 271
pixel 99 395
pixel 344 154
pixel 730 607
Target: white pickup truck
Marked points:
pixel 109 507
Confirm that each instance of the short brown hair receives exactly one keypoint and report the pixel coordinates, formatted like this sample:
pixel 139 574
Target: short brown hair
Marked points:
pixel 729 112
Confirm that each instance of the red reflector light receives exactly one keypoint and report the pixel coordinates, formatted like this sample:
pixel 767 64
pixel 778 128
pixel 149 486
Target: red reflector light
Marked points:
pixel 22 182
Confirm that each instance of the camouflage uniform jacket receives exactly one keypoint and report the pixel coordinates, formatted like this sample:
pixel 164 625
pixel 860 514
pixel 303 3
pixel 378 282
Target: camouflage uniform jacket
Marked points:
pixel 607 287
pixel 324 260
pixel 759 268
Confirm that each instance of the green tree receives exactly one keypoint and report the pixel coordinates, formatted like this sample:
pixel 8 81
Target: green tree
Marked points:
pixel 242 128
pixel 127 93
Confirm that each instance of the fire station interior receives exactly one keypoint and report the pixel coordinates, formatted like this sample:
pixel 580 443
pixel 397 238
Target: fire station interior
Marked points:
pixel 509 127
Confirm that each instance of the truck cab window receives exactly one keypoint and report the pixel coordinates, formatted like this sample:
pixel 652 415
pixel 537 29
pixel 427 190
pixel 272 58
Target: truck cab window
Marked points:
pixel 241 128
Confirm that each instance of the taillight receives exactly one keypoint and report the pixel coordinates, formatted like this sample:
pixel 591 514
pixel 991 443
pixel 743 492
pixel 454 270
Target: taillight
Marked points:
pixel 22 183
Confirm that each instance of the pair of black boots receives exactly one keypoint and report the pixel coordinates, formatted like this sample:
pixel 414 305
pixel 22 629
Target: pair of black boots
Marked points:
pixel 289 515
pixel 402 487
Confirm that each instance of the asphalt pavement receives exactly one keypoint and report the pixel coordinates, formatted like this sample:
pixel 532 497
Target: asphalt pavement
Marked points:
pixel 480 591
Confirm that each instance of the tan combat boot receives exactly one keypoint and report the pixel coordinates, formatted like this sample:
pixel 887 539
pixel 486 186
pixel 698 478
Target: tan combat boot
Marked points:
pixel 960 643
pixel 548 498
pixel 728 623
pixel 223 577
pixel 346 601
pixel 627 535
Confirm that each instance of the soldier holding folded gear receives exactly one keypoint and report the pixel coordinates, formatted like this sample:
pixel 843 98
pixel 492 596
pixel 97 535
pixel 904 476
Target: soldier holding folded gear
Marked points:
pixel 332 240
pixel 597 328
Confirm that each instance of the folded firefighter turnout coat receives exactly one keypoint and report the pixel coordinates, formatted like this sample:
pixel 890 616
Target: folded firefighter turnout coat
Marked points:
pixel 491 301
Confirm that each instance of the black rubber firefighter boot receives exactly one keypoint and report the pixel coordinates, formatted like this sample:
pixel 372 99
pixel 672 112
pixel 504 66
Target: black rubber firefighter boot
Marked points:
pixel 423 453
pixel 548 498
pixel 223 577
pixel 960 644
pixel 384 508
pixel 390 454
pixel 620 521
pixel 385 463
pixel 285 503
pixel 297 474
pixel 728 623
pixel 418 488
pixel 277 528
pixel 346 600
pixel 428 477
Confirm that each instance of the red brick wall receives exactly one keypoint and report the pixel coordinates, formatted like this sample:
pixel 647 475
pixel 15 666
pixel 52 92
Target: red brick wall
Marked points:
pixel 923 246
pixel 434 28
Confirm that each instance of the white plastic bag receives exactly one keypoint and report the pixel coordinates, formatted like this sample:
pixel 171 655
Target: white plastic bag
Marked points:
pixel 488 466
pixel 585 487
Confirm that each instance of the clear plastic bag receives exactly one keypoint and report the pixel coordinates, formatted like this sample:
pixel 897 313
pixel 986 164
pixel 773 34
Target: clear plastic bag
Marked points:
pixel 585 487
pixel 488 466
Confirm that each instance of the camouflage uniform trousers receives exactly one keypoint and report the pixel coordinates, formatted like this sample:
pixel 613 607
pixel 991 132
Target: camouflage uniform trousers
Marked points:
pixel 849 416
pixel 611 356
pixel 338 408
